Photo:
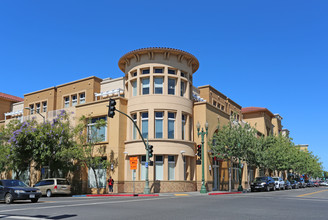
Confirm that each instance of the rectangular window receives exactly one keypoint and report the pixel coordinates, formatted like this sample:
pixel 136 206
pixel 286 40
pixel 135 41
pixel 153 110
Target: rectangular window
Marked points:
pixel 158 85
pixel 171 71
pixel 171 125
pixel 31 109
pixel 171 167
pixel 183 127
pixel 134 88
pixel 145 86
pixel 158 167
pixel 158 70
pixel 144 124
pixel 134 129
pixel 143 168
pixel 222 107
pixel 219 106
pixel 183 74
pixel 145 71
pixel 44 106
pixel 183 88
pixel 82 98
pixel 101 175
pixel 74 100
pixel 159 124
pixel 171 87
pixel 214 103
pixel 66 102
pixel 38 107
pixel 97 134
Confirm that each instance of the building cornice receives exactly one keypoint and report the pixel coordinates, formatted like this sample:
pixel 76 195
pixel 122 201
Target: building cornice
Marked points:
pixel 191 59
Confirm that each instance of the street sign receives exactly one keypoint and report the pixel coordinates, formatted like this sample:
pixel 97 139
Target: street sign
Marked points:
pixel 133 163
pixel 146 164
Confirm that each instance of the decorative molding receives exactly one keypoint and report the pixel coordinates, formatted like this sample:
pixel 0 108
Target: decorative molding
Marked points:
pixel 137 57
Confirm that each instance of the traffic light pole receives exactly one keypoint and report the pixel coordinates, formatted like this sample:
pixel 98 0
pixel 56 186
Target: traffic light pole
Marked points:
pixel 146 189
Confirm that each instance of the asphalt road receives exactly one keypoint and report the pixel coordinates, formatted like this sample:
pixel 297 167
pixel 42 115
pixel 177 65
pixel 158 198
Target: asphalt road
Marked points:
pixel 309 203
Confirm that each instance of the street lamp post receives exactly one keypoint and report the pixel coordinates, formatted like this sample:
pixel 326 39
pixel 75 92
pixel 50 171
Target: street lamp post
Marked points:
pixel 202 134
pixel 32 110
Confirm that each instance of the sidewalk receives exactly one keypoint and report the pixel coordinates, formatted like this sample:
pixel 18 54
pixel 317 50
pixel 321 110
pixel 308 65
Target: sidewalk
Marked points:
pixel 194 193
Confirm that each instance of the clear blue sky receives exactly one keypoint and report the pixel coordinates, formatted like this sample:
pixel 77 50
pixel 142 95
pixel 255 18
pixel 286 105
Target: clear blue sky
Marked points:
pixel 270 54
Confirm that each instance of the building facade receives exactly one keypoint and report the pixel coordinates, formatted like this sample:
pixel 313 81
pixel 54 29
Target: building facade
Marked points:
pixel 156 91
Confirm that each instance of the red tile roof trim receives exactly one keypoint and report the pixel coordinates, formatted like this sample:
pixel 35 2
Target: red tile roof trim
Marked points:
pixel 11 97
pixel 255 109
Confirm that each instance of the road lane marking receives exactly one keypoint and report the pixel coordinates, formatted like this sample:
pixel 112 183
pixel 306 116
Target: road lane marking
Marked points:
pixel 83 204
pixel 307 194
pixel 21 217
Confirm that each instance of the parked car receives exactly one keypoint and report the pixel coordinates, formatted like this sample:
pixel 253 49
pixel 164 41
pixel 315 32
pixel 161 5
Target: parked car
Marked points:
pixel 295 184
pixel 11 190
pixel 301 182
pixel 52 186
pixel 316 183
pixel 323 183
pixel 288 185
pixel 279 183
pixel 263 183
pixel 309 183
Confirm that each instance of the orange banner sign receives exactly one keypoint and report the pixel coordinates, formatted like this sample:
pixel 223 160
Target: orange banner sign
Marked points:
pixel 133 163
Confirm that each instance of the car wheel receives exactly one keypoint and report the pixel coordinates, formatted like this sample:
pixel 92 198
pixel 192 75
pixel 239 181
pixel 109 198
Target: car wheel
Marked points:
pixel 34 200
pixel 267 188
pixel 9 198
pixel 49 193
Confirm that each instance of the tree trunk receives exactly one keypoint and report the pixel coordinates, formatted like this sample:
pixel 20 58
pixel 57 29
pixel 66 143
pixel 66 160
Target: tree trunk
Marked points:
pixel 96 177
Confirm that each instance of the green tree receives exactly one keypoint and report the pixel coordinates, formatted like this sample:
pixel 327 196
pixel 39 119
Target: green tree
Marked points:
pixel 21 142
pixel 91 152
pixel 235 141
pixel 54 145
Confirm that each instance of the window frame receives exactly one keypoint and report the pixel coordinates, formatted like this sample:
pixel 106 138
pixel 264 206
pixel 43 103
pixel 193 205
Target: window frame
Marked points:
pixel 44 106
pixel 171 175
pixel 82 98
pixel 144 133
pixel 171 134
pixel 158 86
pixel 161 120
pixel 145 86
pixel 74 100
pixel 66 102
pixel 91 125
pixel 171 89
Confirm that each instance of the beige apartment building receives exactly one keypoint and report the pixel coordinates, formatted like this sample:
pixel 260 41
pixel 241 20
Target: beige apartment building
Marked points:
pixel 9 107
pixel 157 92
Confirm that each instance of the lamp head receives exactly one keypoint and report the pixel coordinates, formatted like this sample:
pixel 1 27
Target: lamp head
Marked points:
pixel 198 126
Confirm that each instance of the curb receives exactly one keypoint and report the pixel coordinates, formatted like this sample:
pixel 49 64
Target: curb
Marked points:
pixel 223 193
pixel 115 195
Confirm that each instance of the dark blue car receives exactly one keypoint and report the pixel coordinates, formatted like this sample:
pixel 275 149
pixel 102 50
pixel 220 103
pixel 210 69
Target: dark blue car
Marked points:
pixel 11 190
pixel 263 183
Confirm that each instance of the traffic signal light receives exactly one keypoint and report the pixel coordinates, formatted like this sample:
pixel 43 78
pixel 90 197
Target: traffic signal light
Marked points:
pixel 150 151
pixel 199 150
pixel 111 108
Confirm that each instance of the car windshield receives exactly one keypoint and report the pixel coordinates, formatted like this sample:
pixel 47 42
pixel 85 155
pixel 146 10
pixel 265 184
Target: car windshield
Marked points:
pixel 260 179
pixel 11 183
pixel 275 178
